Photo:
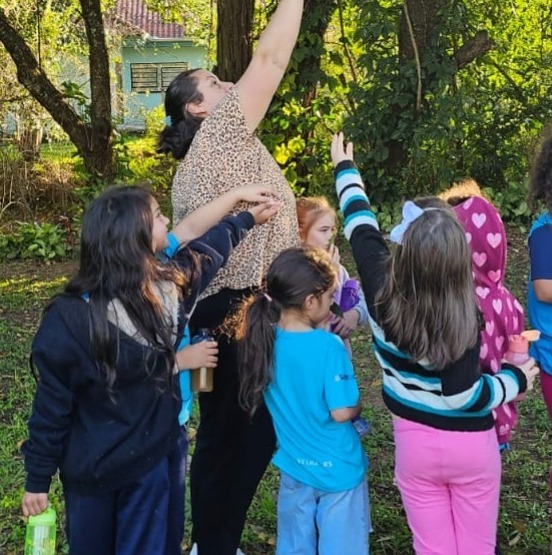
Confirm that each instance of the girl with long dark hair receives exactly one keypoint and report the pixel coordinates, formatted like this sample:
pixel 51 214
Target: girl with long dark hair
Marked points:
pixel 107 400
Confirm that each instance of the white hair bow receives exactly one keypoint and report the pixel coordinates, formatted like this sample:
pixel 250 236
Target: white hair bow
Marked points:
pixel 410 213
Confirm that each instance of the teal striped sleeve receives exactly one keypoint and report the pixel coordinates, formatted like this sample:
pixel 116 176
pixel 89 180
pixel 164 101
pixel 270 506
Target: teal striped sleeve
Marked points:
pixel 353 202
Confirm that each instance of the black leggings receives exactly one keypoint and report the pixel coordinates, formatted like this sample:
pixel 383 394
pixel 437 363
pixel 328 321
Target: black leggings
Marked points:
pixel 232 450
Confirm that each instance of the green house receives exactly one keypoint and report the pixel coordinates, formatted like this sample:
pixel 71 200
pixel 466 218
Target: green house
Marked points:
pixel 152 54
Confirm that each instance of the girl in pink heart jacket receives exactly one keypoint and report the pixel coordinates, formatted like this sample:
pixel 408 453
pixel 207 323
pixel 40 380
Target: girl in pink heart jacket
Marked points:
pixel 502 312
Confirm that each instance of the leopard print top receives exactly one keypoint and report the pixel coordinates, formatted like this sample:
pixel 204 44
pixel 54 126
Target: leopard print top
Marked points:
pixel 223 155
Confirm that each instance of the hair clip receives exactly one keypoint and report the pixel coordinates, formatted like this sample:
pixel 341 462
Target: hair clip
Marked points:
pixel 267 297
pixel 410 213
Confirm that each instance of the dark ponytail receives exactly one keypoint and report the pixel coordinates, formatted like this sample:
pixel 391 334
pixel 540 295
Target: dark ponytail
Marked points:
pixel 178 135
pixel 293 275
pixel 256 336
pixel 541 176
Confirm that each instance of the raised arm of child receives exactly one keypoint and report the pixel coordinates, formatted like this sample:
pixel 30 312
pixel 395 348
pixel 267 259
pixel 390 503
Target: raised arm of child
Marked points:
pixel 204 218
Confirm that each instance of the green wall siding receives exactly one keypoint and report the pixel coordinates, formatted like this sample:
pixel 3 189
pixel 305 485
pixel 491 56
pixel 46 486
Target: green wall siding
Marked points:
pixel 134 105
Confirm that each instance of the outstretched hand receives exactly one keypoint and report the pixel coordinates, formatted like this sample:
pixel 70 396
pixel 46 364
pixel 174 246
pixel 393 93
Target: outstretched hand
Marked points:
pixel 265 210
pixel 339 150
pixel 253 193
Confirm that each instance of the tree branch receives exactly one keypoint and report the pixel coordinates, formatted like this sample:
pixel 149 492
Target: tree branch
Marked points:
pixel 416 57
pixel 33 78
pixel 475 47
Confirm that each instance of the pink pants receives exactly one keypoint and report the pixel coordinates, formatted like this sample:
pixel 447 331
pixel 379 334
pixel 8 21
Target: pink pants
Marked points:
pixel 450 487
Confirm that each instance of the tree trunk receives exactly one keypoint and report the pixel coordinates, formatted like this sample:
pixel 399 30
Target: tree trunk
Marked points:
pixel 234 40
pixel 419 20
pixel 418 29
pixel 94 139
pixel 317 17
pixel 100 144
pixel 318 14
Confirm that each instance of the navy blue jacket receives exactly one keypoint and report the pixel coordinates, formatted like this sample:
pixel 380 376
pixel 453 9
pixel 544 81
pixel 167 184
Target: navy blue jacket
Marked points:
pixel 98 444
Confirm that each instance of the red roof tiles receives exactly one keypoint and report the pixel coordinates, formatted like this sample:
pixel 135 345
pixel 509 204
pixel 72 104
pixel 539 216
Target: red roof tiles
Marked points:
pixel 136 16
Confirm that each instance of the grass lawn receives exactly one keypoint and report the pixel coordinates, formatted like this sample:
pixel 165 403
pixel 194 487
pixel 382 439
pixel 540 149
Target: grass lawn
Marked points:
pixel 524 516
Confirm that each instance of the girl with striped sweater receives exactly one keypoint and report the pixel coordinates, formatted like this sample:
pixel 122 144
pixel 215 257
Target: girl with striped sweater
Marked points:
pixel 426 336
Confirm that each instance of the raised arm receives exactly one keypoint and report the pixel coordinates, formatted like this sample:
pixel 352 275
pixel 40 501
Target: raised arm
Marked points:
pixel 262 77
pixel 361 227
pixel 205 217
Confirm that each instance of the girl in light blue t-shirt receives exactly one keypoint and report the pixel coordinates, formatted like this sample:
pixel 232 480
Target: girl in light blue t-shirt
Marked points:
pixel 310 389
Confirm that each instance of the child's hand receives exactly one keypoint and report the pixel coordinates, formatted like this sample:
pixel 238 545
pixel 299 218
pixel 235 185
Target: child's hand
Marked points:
pixel 333 251
pixel 531 371
pixel 253 193
pixel 201 354
pixel 347 324
pixel 339 150
pixel 34 503
pixel 264 211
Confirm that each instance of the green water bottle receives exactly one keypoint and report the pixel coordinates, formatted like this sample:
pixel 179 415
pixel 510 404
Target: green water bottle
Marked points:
pixel 40 536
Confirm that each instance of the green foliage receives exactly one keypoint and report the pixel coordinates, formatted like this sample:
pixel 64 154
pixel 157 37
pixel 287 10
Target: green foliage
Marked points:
pixel 512 203
pixel 45 242
pixel 479 120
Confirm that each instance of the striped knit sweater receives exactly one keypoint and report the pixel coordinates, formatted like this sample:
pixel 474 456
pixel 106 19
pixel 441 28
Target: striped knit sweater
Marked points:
pixel 458 397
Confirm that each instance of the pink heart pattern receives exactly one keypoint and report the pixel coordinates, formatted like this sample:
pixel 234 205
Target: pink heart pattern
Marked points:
pixel 466 205
pixel 503 315
pixel 482 292
pixel 479 220
pixel 484 351
pixel 479 258
pixel 494 239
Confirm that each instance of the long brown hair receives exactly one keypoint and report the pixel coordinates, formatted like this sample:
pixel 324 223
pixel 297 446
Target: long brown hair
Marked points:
pixel 426 305
pixel 117 262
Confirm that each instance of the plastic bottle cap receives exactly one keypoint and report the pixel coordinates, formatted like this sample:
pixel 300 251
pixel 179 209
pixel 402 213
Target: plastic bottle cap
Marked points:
pixel 518 344
pixel 46 518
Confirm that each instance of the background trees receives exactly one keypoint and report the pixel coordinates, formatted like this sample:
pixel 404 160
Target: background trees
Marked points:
pixel 22 35
pixel 429 90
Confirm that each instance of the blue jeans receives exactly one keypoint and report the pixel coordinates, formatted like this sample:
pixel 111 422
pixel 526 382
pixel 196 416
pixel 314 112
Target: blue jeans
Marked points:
pixel 314 522
pixel 178 461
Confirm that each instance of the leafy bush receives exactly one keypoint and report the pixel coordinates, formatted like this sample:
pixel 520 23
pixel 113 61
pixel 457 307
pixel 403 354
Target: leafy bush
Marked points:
pixel 45 241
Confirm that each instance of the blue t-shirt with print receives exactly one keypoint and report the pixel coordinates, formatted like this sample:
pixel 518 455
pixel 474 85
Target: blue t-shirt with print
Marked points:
pixel 313 375
pixel 540 313
pixel 183 375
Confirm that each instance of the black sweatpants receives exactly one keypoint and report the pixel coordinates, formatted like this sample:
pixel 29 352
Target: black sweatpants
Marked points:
pixel 232 450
